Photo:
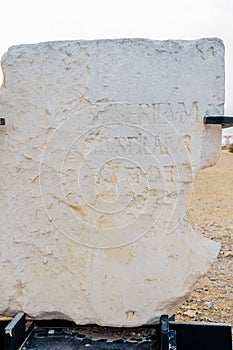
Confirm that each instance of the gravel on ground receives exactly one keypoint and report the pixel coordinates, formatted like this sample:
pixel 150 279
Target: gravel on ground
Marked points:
pixel 211 215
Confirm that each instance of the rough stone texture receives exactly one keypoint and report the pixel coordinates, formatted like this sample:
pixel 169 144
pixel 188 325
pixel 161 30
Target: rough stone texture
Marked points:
pixel 102 143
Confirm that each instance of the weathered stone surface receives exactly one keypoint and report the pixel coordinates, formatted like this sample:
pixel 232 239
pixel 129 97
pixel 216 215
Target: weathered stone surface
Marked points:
pixel 102 143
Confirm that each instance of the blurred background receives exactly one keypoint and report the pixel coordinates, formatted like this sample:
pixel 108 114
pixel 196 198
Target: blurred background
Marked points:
pixel 28 21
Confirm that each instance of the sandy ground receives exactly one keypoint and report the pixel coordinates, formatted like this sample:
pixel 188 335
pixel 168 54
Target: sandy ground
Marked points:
pixel 211 214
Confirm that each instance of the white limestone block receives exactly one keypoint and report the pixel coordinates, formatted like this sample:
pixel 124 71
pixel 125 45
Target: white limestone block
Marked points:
pixel 102 142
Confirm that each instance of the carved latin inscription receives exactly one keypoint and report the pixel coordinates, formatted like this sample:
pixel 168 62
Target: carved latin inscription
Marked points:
pixel 115 176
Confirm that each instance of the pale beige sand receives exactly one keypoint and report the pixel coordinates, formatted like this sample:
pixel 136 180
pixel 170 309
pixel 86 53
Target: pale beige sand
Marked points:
pixel 211 214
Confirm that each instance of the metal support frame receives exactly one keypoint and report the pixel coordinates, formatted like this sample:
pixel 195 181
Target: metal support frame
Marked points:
pixel 3 324
pixel 167 335
pixel 2 121
pixel 172 335
pixel 202 336
pixel 218 119
pixel 194 335
pixel 164 333
pixel 208 119
pixel 14 332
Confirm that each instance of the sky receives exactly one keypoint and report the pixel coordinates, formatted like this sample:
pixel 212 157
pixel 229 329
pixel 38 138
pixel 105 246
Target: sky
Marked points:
pixel 31 21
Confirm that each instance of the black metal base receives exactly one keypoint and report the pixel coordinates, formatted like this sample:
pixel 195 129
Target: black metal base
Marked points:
pixel 167 335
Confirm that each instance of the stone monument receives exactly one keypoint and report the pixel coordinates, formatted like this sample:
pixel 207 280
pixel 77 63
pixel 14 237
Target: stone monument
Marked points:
pixel 102 143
